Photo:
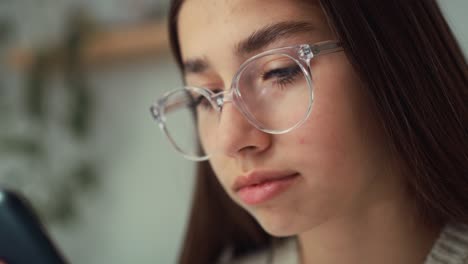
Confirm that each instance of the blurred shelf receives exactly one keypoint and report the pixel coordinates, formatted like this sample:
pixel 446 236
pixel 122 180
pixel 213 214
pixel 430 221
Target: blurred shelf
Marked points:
pixel 116 46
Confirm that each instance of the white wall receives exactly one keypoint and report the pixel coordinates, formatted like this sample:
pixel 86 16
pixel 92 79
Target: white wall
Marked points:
pixel 138 211
pixel 139 214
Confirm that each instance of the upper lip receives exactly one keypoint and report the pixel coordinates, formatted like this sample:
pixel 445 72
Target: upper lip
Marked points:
pixel 259 176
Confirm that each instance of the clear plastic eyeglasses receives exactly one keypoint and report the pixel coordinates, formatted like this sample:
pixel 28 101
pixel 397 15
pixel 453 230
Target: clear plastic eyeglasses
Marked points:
pixel 273 90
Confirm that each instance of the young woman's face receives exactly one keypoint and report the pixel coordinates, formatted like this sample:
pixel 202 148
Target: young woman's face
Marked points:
pixel 331 167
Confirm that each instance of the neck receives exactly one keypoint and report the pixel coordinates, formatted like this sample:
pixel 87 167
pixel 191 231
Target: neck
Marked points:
pixel 382 233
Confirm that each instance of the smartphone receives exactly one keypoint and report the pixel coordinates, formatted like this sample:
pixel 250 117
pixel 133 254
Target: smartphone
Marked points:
pixel 23 238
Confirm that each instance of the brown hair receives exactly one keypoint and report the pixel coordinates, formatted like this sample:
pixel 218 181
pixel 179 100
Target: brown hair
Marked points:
pixel 417 79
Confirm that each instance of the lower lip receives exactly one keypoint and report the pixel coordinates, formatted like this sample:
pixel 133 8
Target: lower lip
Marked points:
pixel 260 193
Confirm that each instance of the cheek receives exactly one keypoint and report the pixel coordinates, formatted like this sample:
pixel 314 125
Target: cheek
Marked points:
pixel 222 167
pixel 323 134
pixel 333 133
pixel 330 146
pixel 302 141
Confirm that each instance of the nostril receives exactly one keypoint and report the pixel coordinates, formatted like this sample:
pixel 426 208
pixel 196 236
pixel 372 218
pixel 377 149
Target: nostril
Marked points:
pixel 248 149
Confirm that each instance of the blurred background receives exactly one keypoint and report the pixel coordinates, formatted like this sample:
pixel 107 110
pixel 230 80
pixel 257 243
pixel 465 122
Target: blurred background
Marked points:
pixel 77 78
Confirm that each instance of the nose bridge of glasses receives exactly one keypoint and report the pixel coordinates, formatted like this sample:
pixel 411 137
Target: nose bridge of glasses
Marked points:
pixel 219 99
pixel 222 97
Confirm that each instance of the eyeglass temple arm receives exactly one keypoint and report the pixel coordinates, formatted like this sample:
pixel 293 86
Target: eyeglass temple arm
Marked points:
pixel 326 47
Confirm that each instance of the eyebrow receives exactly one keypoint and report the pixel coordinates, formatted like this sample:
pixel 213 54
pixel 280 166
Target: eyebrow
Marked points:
pixel 263 37
pixel 196 65
pixel 256 41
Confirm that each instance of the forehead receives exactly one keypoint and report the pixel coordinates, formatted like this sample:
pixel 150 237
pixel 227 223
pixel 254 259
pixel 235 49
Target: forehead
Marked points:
pixel 212 27
pixel 228 9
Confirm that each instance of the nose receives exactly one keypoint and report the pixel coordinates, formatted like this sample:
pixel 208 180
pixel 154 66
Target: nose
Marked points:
pixel 237 137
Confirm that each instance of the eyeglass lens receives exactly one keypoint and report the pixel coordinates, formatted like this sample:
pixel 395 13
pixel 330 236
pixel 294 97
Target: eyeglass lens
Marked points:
pixel 274 92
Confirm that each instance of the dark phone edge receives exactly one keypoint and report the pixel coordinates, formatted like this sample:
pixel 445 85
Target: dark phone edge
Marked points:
pixel 13 199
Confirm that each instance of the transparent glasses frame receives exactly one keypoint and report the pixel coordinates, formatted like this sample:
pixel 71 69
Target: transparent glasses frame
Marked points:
pixel 301 54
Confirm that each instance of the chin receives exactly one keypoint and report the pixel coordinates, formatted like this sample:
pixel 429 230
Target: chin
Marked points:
pixel 278 226
pixel 279 231
pixel 287 223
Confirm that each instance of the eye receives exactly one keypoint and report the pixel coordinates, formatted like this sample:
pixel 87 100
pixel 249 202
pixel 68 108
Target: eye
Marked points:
pixel 282 76
pixel 200 102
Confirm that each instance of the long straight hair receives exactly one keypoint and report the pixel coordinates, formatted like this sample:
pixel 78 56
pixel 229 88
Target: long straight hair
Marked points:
pixel 416 77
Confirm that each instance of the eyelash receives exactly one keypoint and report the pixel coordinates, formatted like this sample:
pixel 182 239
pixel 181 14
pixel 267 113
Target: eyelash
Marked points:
pixel 291 72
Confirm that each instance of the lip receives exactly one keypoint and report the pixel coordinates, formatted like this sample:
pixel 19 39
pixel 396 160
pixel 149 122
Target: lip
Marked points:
pixel 262 185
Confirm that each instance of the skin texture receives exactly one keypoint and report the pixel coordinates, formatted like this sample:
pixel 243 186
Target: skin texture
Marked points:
pixel 350 196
